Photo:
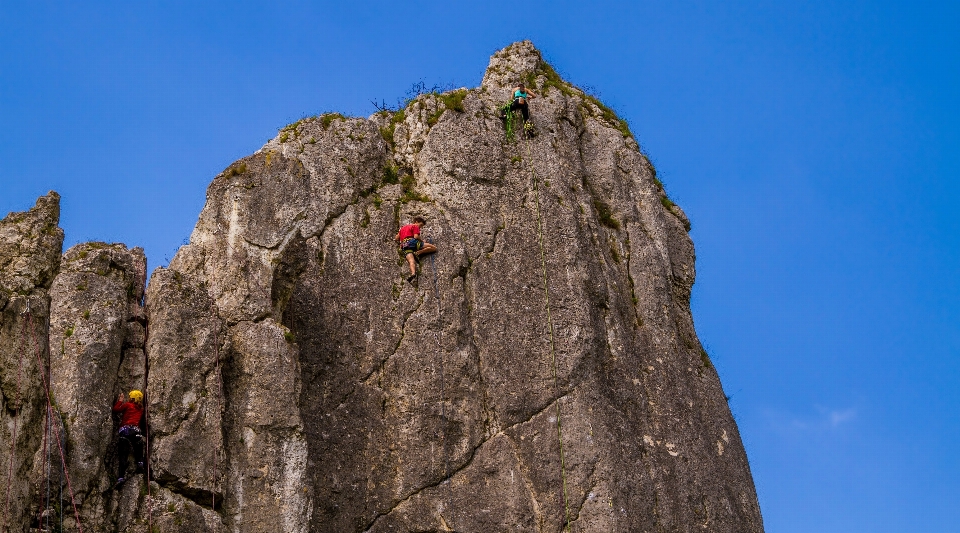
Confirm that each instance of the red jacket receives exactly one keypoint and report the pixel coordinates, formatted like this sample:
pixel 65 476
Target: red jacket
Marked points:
pixel 408 231
pixel 130 413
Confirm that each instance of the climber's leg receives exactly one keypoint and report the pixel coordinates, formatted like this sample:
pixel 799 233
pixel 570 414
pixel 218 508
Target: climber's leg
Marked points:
pixel 137 445
pixel 428 248
pixel 412 262
pixel 123 450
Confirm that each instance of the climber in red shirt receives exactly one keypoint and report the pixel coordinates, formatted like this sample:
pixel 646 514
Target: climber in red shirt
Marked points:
pixel 131 431
pixel 411 246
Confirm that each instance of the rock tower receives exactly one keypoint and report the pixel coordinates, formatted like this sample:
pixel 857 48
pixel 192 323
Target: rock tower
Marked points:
pixel 542 374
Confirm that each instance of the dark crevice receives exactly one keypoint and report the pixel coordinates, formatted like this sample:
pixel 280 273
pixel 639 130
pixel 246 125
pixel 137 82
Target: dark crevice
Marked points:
pixel 202 497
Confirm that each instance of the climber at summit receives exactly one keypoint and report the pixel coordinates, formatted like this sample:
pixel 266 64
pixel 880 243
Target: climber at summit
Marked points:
pixel 412 246
pixel 520 96
pixel 131 431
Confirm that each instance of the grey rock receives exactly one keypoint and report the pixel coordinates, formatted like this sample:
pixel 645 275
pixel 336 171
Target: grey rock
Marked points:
pixel 96 353
pixel 439 406
pixel 186 402
pixel 542 374
pixel 30 246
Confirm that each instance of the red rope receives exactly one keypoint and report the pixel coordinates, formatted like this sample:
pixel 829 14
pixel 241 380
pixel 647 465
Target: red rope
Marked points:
pixel 63 457
pixel 16 421
pixel 146 403
pixel 146 421
pixel 46 452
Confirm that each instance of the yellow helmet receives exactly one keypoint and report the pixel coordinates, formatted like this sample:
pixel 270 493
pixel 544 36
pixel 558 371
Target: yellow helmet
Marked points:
pixel 136 396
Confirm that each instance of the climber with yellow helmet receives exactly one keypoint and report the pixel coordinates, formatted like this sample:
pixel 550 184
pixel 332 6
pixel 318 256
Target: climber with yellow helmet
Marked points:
pixel 131 434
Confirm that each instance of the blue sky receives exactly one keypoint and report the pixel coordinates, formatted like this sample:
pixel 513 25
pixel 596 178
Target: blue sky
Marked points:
pixel 813 145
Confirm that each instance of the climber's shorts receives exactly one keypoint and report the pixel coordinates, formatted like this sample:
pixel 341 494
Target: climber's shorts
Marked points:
pixel 410 245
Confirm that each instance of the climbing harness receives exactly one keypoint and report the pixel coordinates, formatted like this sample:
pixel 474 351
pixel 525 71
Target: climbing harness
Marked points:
pixel 553 345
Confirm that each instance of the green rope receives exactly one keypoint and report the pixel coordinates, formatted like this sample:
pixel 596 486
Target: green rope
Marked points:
pixel 509 120
pixel 553 344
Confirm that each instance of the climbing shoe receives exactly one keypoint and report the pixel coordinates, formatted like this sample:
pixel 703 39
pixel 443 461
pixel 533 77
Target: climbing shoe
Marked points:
pixel 119 483
pixel 140 468
pixel 411 278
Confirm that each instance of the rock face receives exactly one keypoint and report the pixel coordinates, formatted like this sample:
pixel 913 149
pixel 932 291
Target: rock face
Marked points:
pixel 96 339
pixel 542 374
pixel 30 246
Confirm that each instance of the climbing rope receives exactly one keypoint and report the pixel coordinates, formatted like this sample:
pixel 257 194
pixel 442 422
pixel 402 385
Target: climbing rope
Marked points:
pixel 443 395
pixel 146 419
pixel 46 448
pixel 57 435
pixel 45 469
pixel 47 463
pixel 553 344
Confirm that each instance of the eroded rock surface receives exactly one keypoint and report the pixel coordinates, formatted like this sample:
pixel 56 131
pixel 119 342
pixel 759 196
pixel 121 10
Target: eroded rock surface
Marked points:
pixel 442 406
pixel 96 338
pixel 30 246
pixel 543 373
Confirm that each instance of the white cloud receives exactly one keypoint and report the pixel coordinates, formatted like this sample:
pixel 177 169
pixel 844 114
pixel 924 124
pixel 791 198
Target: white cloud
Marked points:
pixel 822 419
pixel 841 416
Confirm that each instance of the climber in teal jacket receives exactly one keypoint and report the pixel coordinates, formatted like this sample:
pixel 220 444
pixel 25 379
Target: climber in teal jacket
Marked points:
pixel 520 96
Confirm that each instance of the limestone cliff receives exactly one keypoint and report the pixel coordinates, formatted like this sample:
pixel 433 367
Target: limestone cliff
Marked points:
pixel 30 245
pixel 543 374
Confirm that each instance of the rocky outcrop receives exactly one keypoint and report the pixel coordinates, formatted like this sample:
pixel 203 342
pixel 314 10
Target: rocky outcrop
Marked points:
pixel 366 404
pixel 543 374
pixel 30 246
pixel 96 338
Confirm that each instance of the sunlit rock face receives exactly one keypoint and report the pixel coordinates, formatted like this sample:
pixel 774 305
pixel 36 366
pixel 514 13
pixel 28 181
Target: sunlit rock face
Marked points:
pixel 542 373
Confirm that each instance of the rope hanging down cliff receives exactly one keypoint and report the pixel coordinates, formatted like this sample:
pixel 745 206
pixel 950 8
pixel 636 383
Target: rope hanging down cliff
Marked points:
pixel 146 418
pixel 553 344
pixel 58 435
pixel 42 512
pixel 46 389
